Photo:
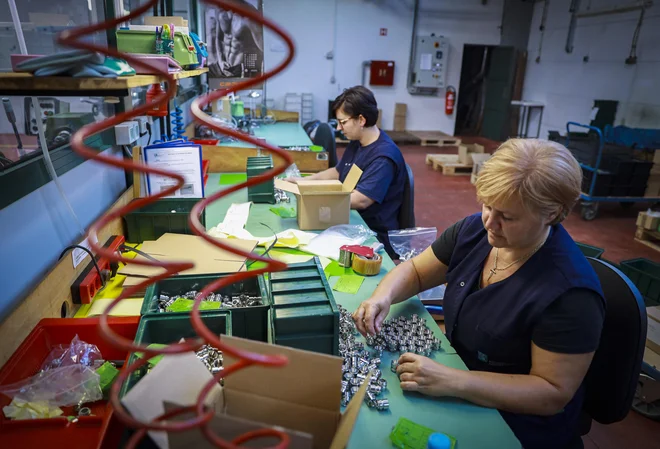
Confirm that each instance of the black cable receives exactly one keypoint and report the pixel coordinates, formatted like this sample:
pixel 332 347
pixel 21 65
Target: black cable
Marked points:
pixel 149 131
pixel 96 265
pixel 265 253
pixel 127 249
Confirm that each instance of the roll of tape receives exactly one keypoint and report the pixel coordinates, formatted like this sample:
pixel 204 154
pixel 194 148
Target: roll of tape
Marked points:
pixel 367 267
pixel 345 258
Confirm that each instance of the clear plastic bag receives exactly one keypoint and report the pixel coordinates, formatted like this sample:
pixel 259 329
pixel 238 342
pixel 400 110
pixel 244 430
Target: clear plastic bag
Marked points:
pixel 408 243
pixel 77 353
pixel 328 242
pixel 59 387
pixel 291 172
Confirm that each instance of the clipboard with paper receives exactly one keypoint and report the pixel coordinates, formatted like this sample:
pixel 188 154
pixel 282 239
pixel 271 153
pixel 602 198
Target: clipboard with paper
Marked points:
pixel 181 157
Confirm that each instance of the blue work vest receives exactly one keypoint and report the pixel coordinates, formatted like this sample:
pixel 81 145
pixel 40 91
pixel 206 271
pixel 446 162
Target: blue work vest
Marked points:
pixel 491 328
pixel 384 216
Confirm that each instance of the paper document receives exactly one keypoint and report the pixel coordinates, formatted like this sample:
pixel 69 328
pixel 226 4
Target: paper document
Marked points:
pixel 425 61
pixel 183 160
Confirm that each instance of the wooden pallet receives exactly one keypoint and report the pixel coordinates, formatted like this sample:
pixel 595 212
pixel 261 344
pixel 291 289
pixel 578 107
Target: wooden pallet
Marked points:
pixel 449 165
pixel 435 138
pixel 648 238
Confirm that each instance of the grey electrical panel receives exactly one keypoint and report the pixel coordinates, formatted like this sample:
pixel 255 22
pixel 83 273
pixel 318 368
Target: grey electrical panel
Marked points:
pixel 427 75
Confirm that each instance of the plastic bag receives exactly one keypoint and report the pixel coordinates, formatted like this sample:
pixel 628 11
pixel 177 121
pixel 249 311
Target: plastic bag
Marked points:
pixel 59 387
pixel 408 243
pixel 291 172
pixel 77 353
pixel 328 242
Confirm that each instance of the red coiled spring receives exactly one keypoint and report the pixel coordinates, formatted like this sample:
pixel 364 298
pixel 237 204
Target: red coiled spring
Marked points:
pixel 203 416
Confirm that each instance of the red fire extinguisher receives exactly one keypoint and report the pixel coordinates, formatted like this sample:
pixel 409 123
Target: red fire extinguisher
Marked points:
pixel 160 110
pixel 450 100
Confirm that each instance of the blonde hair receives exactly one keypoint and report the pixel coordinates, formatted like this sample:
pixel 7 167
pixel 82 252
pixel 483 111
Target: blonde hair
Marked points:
pixel 543 175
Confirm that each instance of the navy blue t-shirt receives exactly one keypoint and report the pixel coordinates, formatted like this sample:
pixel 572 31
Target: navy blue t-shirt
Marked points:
pixel 383 178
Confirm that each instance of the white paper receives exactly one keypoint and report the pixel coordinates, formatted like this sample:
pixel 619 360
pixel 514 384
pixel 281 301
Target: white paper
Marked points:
pixel 177 379
pixel 237 216
pixel 425 61
pixel 185 161
pixel 78 255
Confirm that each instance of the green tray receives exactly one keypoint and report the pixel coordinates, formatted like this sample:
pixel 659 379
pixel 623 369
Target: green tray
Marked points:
pixel 645 274
pixel 590 251
pixel 247 322
pixel 315 342
pixel 163 216
pixel 170 328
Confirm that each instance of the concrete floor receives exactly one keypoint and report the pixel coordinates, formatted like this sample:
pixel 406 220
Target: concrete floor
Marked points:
pixel 442 200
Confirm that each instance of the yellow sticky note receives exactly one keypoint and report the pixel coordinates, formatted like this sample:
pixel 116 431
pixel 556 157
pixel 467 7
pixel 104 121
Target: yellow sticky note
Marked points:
pixel 349 284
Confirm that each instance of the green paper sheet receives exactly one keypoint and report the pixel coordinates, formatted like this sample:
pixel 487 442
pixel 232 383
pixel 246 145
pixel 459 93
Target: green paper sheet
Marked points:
pixel 155 359
pixel 107 375
pixel 349 284
pixel 284 212
pixel 410 435
pixel 230 179
pixel 186 305
pixel 334 269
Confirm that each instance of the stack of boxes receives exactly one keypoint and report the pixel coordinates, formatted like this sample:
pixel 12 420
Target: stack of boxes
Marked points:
pixel 400 113
pixel 653 184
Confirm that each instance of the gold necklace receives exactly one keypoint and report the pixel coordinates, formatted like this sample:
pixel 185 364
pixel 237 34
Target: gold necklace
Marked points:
pixel 494 270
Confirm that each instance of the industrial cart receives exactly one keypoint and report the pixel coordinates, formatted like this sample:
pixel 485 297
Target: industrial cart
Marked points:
pixel 589 200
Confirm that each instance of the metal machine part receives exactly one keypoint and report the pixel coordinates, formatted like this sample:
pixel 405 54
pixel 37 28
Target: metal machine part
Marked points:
pixel 281 196
pixel 211 357
pixel 428 71
pixel 226 301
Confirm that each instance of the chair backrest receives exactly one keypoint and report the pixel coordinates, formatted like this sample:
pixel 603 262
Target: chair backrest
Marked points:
pixel 407 212
pixel 310 126
pixel 325 137
pixel 612 378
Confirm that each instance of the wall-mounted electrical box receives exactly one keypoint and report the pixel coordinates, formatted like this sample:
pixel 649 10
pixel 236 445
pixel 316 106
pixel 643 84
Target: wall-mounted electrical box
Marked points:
pixel 428 72
pixel 382 73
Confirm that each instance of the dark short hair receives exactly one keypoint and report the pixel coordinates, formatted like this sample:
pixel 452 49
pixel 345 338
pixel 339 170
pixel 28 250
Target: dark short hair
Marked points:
pixel 357 101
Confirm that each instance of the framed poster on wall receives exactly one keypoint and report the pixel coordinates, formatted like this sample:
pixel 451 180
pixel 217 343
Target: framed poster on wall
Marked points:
pixel 235 44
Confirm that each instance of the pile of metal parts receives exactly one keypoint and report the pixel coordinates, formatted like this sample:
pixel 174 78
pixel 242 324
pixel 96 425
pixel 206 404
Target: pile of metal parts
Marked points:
pixel 397 335
pixel 405 335
pixel 281 196
pixel 211 357
pixel 298 148
pixel 226 301
pixel 358 362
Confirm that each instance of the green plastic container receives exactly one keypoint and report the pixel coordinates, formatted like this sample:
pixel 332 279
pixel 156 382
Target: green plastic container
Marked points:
pixel 139 41
pixel 265 192
pixel 246 322
pixel 315 342
pixel 170 328
pixel 645 274
pixel 305 314
pixel 156 219
pixel 590 251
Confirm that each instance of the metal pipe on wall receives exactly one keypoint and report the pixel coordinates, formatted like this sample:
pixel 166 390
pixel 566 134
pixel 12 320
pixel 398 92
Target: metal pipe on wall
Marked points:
pixel 619 10
pixel 413 40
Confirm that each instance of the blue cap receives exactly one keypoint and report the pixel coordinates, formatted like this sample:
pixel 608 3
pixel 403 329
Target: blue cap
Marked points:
pixel 439 441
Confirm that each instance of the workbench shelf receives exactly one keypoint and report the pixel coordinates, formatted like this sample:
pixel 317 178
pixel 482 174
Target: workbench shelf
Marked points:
pixel 19 83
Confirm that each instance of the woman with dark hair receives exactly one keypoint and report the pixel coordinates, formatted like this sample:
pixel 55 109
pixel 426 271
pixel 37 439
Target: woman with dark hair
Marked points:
pixel 379 193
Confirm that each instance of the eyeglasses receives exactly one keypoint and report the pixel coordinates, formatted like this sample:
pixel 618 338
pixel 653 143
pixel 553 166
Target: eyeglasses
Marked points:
pixel 343 122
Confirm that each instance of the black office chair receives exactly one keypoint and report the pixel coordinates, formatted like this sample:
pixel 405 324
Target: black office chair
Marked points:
pixel 325 137
pixel 407 211
pixel 614 372
pixel 311 126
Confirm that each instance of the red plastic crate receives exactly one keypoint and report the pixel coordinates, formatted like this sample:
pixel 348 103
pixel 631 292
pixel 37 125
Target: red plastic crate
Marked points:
pixel 58 433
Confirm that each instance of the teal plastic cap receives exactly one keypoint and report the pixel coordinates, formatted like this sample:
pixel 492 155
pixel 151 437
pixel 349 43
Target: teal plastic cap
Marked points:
pixel 439 441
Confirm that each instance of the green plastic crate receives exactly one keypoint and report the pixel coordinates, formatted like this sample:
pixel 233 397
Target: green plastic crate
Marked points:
pixel 170 328
pixel 247 322
pixel 315 342
pixel 590 251
pixel 264 192
pixel 304 308
pixel 645 274
pixel 163 216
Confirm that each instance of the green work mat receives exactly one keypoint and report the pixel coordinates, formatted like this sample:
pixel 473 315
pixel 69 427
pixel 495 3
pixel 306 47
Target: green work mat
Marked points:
pixel 410 435
pixel 230 179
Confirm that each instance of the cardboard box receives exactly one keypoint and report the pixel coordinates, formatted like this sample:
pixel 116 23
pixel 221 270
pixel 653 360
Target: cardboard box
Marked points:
pixel 653 329
pixel 465 152
pixel 322 204
pixel 648 222
pixel 400 109
pixel 399 123
pixel 478 160
pixel 177 21
pixel 303 396
pixel 656 157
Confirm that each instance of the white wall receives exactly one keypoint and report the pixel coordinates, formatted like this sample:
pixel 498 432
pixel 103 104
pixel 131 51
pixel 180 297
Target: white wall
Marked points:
pixel 311 23
pixel 568 86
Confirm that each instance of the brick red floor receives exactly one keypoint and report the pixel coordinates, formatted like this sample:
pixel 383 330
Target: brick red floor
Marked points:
pixel 442 200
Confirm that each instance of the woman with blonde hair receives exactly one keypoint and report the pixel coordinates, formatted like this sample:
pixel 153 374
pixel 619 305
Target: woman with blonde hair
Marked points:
pixel 523 307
